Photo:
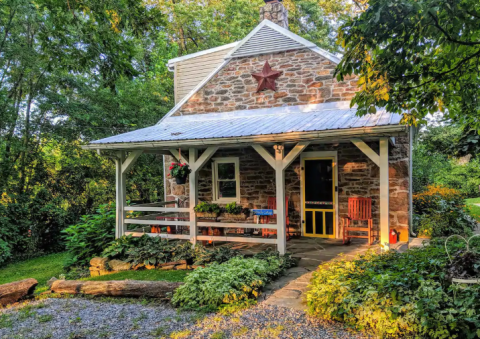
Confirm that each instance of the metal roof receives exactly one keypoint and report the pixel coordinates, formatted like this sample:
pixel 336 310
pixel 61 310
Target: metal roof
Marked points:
pixel 260 122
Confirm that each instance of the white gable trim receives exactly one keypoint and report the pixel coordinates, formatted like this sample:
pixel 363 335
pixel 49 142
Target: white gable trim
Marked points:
pixel 204 52
pixel 287 33
pixel 193 91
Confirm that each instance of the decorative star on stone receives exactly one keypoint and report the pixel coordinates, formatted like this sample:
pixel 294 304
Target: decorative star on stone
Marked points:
pixel 266 79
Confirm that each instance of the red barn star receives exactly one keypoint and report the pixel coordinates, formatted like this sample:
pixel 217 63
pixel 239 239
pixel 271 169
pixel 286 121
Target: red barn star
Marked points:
pixel 266 79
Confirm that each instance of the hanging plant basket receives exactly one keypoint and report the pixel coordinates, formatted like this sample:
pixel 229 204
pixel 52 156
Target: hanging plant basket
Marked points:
pixel 181 180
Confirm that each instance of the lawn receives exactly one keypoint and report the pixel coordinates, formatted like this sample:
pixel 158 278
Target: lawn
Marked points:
pixel 41 268
pixel 473 209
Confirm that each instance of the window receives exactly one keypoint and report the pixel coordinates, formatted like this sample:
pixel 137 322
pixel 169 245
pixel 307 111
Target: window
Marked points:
pixel 226 180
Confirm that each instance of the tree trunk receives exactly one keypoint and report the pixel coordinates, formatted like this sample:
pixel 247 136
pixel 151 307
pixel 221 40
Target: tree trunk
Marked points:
pixel 124 288
pixel 12 292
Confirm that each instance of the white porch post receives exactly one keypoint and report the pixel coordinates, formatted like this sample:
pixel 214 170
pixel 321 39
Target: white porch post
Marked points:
pixel 279 164
pixel 122 166
pixel 196 164
pixel 280 194
pixel 384 195
pixel 120 195
pixel 193 154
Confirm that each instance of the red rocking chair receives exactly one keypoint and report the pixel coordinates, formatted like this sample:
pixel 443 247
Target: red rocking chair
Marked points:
pixel 272 205
pixel 359 209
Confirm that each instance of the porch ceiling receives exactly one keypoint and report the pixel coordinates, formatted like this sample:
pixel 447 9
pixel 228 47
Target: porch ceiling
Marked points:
pixel 331 121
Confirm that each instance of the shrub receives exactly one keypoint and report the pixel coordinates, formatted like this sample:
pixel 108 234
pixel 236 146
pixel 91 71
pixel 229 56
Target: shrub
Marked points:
pixel 119 248
pixel 207 207
pixel 235 281
pixel 88 238
pixel 5 251
pixel 440 211
pixel 153 251
pixel 218 254
pixel 396 295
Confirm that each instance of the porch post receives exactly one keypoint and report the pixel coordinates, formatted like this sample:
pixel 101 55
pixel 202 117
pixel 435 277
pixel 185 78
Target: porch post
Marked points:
pixel 193 154
pixel 384 195
pixel 120 194
pixel 280 195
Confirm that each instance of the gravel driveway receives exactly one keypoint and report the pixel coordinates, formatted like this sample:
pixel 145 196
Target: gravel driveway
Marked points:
pixel 81 318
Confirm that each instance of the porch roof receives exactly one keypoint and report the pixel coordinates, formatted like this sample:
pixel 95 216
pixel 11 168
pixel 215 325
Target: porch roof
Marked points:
pixel 271 124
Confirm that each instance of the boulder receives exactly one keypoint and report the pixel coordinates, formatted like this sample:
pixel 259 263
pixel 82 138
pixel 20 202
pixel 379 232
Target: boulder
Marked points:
pixel 100 263
pixel 118 265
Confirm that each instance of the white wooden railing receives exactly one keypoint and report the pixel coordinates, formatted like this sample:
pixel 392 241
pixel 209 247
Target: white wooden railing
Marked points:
pixel 160 208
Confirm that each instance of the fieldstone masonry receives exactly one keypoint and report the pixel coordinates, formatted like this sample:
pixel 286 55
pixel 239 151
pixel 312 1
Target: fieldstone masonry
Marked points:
pixel 307 78
pixel 275 12
pixel 358 176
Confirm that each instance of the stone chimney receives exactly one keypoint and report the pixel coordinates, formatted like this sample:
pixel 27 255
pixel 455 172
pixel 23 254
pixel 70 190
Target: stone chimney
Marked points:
pixel 275 12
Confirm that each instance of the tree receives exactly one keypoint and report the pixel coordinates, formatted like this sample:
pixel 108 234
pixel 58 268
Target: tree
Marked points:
pixel 416 57
pixel 196 26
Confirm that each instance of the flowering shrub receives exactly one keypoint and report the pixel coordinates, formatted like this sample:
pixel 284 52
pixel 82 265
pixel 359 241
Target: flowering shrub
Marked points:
pixel 179 170
pixel 396 295
pixel 440 211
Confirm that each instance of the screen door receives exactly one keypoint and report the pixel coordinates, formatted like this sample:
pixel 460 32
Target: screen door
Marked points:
pixel 319 197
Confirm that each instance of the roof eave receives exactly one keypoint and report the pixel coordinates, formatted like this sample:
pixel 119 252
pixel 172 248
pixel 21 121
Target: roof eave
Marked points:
pixel 378 131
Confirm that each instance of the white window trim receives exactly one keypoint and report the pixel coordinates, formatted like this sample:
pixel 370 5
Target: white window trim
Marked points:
pixel 227 160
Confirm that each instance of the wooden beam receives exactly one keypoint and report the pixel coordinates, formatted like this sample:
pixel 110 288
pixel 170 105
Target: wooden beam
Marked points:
pixel 130 161
pixel 384 195
pixel 235 225
pixel 265 155
pixel 367 150
pixel 209 152
pixel 293 154
pixel 280 195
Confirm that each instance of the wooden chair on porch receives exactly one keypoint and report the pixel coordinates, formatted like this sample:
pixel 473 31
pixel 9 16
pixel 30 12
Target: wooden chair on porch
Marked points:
pixel 359 209
pixel 272 205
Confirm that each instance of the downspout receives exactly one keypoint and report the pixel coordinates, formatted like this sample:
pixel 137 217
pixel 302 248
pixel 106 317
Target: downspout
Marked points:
pixel 410 183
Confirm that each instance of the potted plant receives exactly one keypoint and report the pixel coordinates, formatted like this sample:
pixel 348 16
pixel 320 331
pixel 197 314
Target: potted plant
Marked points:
pixel 234 212
pixel 207 210
pixel 180 172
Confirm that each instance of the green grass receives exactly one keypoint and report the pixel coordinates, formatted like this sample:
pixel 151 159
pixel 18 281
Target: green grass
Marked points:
pixel 41 268
pixel 472 208
pixel 147 275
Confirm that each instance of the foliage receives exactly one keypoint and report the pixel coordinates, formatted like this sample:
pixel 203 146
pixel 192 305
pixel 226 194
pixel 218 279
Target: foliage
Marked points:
pixel 207 207
pixel 396 295
pixel 183 251
pixel 119 248
pixel 235 281
pixel 472 208
pixel 415 58
pixel 152 252
pixel 232 208
pixel 196 26
pixel 218 255
pixel 464 265
pixel 41 269
pixel 440 212
pixel 179 170
pixel 90 236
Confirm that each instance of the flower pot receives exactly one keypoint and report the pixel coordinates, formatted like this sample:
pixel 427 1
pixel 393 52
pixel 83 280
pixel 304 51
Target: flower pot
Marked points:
pixel 206 215
pixel 231 216
pixel 181 180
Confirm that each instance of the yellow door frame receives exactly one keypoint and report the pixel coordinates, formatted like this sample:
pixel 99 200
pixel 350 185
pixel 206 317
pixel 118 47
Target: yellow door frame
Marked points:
pixel 334 195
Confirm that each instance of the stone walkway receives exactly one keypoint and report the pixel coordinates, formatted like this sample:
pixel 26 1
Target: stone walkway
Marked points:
pixel 289 290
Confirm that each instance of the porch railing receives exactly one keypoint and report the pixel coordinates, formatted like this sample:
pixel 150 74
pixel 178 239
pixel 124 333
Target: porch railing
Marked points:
pixel 164 212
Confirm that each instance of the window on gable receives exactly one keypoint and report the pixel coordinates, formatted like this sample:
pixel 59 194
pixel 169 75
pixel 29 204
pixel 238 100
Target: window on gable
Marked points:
pixel 226 180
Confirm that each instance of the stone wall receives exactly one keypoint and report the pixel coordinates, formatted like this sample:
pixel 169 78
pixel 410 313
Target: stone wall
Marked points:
pixel 357 176
pixel 307 78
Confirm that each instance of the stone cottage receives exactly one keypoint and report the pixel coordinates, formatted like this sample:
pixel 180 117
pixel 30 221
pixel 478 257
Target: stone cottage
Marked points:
pixel 263 120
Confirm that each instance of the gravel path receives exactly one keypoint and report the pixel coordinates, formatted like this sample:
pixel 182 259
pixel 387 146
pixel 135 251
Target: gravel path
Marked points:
pixel 78 318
